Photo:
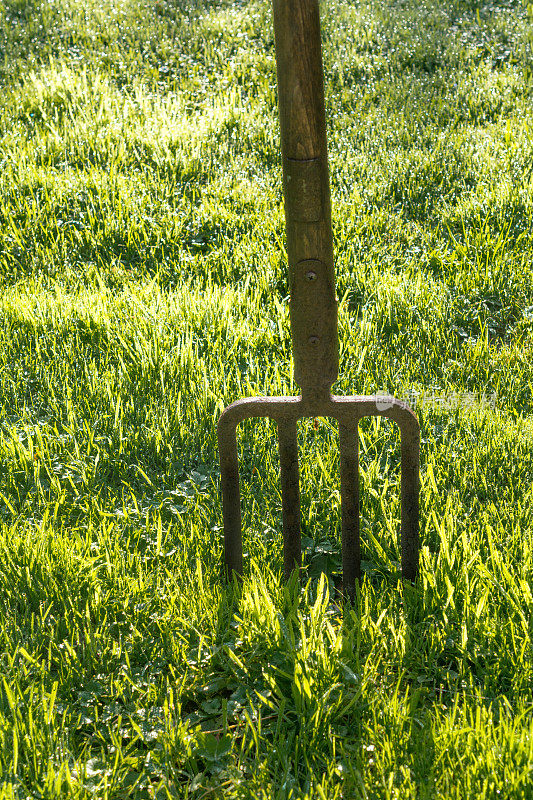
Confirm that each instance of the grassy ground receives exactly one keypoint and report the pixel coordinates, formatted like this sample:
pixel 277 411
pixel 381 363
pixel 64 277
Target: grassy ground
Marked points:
pixel 143 283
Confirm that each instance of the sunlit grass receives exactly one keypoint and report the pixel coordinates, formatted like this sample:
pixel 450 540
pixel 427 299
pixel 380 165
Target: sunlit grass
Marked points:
pixel 144 287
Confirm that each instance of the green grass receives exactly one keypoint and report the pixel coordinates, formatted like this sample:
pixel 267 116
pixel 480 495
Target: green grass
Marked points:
pixel 144 287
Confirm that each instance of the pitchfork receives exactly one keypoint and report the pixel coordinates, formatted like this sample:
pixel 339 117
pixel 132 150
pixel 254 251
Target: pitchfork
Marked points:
pixel 313 316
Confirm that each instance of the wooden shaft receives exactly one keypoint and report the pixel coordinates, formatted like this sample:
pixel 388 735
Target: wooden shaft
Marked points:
pixel 313 306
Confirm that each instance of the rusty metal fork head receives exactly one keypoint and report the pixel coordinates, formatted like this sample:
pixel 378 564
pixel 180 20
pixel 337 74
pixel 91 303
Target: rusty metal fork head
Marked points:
pixel 286 411
pixel 313 314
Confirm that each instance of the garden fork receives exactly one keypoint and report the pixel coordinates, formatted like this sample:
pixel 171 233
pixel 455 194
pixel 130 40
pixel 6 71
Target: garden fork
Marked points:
pixel 313 317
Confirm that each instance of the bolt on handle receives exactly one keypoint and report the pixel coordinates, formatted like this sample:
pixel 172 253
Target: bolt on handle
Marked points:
pixel 313 305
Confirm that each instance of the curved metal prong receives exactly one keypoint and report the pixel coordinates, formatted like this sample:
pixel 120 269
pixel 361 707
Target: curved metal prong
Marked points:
pixel 402 415
pixel 231 496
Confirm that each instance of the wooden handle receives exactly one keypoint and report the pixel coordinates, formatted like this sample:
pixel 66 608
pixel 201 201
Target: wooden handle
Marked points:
pixel 313 306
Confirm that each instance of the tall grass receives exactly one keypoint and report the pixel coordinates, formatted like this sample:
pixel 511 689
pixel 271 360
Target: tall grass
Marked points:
pixel 144 287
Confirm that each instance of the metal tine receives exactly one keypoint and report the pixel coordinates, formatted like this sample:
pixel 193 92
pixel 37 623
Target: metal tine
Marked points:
pixel 351 548
pixel 231 495
pixel 410 499
pixel 290 494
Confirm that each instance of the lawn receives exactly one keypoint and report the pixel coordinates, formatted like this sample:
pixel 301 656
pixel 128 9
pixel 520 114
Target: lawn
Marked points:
pixel 143 288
